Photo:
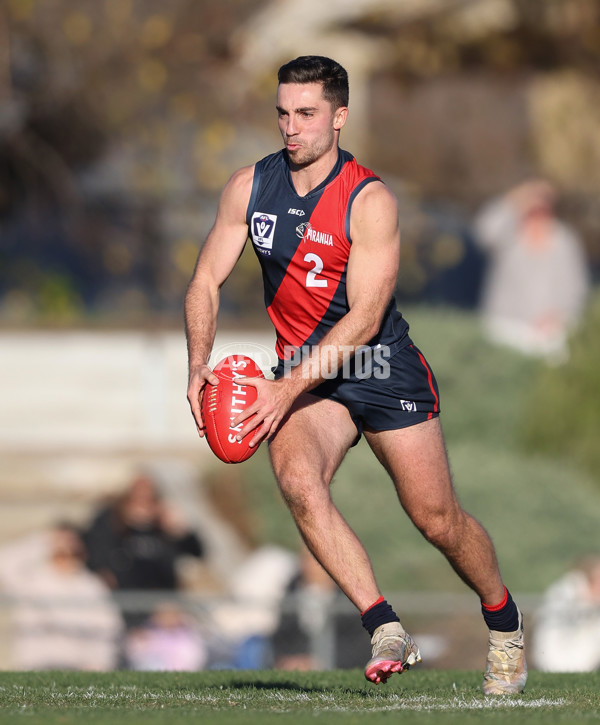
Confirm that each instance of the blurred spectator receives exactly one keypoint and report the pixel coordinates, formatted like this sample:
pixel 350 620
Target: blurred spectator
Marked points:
pixel 64 617
pixel 169 640
pixel 537 279
pixel 314 632
pixel 243 624
pixel 136 542
pixel 566 637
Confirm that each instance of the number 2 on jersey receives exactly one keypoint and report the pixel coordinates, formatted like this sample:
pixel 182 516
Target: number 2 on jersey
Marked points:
pixel 311 275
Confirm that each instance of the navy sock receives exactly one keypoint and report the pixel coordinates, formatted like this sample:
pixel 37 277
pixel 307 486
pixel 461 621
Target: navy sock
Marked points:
pixel 377 614
pixel 503 617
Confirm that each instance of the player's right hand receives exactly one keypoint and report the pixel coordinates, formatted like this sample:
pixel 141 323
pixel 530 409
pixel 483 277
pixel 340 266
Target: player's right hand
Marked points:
pixel 199 375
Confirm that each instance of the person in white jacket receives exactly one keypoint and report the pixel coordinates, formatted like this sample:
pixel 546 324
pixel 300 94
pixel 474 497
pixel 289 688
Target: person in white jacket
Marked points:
pixel 537 279
pixel 63 616
pixel 566 636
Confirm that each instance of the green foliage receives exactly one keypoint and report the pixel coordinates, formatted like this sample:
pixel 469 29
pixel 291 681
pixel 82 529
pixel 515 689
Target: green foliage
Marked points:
pixel 481 385
pixel 58 300
pixel 254 698
pixel 562 413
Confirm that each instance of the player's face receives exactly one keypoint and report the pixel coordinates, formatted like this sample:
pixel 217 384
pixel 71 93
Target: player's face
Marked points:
pixel 307 122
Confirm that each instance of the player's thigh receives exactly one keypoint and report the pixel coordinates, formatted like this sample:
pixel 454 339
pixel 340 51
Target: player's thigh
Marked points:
pixel 416 459
pixel 311 441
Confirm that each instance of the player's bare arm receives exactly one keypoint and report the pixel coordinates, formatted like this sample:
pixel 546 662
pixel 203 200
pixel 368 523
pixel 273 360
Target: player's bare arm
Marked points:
pixel 372 271
pixel 216 260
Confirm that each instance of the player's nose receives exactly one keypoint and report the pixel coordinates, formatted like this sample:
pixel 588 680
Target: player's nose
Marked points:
pixel 291 128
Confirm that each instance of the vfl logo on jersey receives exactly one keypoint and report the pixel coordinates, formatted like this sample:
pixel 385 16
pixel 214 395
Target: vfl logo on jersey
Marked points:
pixel 262 228
pixel 409 406
pixel 308 234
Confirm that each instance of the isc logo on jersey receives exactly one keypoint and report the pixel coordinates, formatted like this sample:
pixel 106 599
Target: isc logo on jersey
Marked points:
pixel 262 229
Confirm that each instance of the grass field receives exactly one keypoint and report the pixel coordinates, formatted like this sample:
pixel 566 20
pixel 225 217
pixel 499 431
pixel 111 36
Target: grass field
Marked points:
pixel 254 698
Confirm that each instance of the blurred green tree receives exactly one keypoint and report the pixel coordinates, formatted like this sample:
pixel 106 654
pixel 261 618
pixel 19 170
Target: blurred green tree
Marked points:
pixel 562 414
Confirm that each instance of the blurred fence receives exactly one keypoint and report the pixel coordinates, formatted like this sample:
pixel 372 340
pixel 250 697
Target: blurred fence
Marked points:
pixel 447 627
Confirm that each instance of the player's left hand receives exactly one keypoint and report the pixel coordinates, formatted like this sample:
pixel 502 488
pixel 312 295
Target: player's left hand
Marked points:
pixel 274 399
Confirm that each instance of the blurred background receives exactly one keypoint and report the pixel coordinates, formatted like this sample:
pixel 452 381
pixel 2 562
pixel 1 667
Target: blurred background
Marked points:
pixel 120 121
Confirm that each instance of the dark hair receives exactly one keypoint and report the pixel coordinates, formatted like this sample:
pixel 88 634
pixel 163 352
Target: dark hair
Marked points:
pixel 318 69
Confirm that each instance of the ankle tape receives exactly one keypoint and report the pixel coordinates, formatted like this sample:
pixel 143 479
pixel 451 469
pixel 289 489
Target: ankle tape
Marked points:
pixel 379 613
pixel 503 617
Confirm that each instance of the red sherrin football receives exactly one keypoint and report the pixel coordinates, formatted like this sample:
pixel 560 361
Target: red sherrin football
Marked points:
pixel 223 402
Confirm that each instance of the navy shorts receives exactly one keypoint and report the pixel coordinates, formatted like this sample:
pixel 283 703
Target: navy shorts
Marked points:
pixel 393 392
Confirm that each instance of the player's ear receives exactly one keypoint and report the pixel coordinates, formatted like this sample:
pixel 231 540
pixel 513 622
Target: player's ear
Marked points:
pixel 339 117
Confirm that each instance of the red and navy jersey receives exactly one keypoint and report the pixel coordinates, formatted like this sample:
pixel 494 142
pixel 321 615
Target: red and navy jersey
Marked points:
pixel 303 244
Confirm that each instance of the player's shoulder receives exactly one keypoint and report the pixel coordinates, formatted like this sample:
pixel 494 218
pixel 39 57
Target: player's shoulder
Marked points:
pixel 374 206
pixel 237 190
pixel 366 182
pixel 241 179
pixel 375 194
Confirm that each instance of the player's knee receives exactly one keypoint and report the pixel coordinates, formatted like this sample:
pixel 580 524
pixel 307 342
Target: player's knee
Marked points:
pixel 291 491
pixel 440 528
pixel 299 492
pixel 301 502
